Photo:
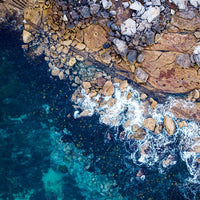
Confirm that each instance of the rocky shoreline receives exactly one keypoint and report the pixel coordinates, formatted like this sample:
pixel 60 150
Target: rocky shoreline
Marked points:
pixel 109 49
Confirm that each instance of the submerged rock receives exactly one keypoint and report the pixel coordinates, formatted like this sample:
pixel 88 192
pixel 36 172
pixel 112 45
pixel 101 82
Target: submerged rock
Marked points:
pixel 169 125
pixel 139 134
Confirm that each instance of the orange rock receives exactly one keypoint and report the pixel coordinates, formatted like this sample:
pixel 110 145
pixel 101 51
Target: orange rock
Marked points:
pixel 79 36
pixel 169 125
pixel 108 88
pixel 165 75
pixel 94 37
pixel 177 42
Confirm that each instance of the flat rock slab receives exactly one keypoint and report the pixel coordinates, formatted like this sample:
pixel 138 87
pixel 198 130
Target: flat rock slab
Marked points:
pixel 164 73
pixel 95 37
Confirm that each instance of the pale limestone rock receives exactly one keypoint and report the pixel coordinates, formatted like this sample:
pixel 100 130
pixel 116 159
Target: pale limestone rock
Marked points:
pixel 151 14
pixel 106 4
pixel 169 125
pixel 121 46
pixel 128 27
pixel 182 4
pixel 141 76
pixel 137 6
pixel 195 3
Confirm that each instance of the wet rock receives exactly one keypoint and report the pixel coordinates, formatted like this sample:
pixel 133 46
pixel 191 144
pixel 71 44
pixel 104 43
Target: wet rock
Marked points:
pixel 132 54
pixel 94 8
pixel 139 134
pixel 153 103
pixel 121 46
pixel 182 124
pixel 135 127
pixel 141 76
pixel 169 161
pixel 193 95
pixel 186 111
pixel 151 13
pixel 196 55
pixel 183 60
pixel 55 72
pixel 123 85
pixel 61 75
pixel 149 123
pixel 158 129
pixel 106 4
pixel 129 95
pixel 101 81
pixel 85 113
pixel 169 125
pixel 143 96
pixel 108 88
pixel 94 37
pixel 128 27
pixel 86 85
pixel 27 36
pixel 72 61
pixel 93 93
pixel 111 102
pixel 137 6
pixel 85 11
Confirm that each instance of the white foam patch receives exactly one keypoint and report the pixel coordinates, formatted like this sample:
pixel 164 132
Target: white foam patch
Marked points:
pixel 154 150
pixel 122 111
pixel 189 140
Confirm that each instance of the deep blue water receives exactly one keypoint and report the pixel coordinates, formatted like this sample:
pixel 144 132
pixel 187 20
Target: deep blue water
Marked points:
pixel 27 138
